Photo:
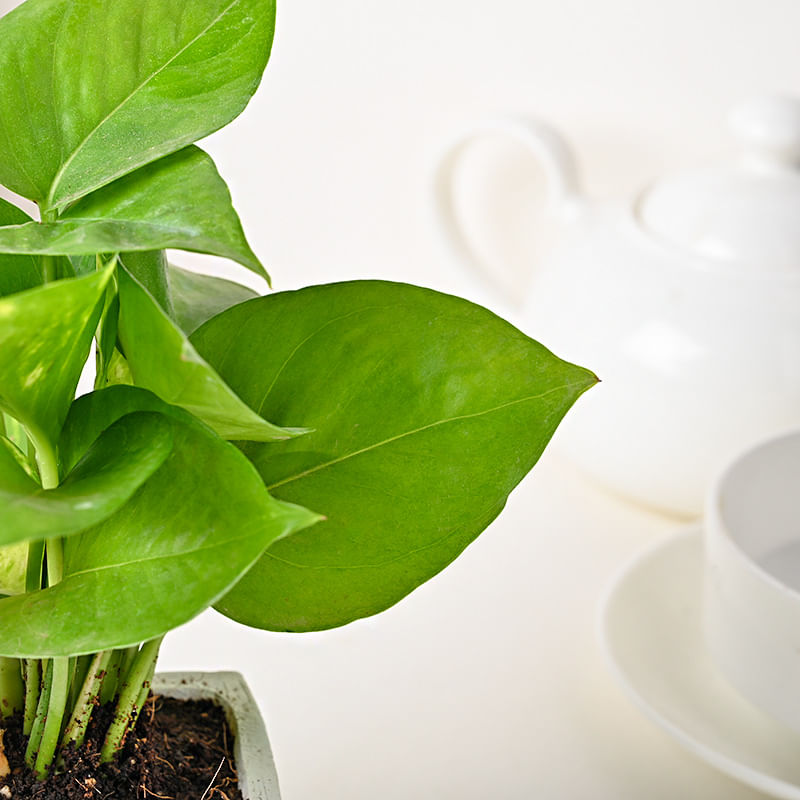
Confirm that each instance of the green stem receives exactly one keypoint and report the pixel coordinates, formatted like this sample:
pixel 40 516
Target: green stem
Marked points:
pixel 55 560
pixel 35 737
pixel 82 664
pixel 32 678
pixel 50 711
pixel 113 677
pixel 11 686
pixel 46 460
pixel 59 689
pixel 49 263
pixel 127 706
pixel 82 710
pixel 49 269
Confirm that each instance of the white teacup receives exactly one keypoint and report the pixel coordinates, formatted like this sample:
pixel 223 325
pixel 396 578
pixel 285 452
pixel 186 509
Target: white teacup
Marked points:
pixel 752 586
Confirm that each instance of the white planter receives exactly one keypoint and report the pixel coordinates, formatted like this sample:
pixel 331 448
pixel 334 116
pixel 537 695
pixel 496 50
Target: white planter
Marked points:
pixel 255 766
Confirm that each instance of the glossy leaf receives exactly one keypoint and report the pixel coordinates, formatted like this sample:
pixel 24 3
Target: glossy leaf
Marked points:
pixel 162 360
pixel 427 411
pixel 183 539
pixel 17 273
pixel 149 267
pixel 179 201
pixel 93 413
pixel 90 90
pixel 116 465
pixel 13 566
pixel 196 298
pixel 45 335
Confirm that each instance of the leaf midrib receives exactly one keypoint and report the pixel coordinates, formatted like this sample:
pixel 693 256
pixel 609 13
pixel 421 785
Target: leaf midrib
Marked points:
pixel 65 165
pixel 415 431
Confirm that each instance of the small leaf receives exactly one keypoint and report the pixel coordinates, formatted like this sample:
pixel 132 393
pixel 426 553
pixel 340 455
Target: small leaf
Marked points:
pixel 179 201
pixel 183 540
pixel 90 90
pixel 427 411
pixel 116 465
pixel 17 273
pixel 162 360
pixel 196 298
pixel 93 413
pixel 45 335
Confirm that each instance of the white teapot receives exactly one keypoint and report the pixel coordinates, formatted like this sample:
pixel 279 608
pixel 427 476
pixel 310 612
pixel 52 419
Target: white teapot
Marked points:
pixel 686 303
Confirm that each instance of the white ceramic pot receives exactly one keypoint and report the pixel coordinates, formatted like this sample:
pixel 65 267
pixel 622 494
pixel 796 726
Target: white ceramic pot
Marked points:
pixel 255 766
pixel 685 301
pixel 752 576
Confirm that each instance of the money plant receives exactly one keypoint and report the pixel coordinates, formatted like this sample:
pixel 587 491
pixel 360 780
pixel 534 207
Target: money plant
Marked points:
pixel 296 460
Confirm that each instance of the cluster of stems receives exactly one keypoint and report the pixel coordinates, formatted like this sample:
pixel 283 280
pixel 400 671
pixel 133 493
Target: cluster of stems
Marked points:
pixel 58 695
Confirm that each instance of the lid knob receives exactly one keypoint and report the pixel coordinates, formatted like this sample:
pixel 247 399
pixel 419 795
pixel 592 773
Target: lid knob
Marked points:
pixel 769 128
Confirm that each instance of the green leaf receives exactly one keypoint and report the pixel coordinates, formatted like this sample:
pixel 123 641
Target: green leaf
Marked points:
pixel 179 201
pixel 183 540
pixel 13 565
pixel 149 267
pixel 162 360
pixel 17 273
pixel 196 298
pixel 427 411
pixel 115 466
pixel 90 90
pixel 93 413
pixel 45 335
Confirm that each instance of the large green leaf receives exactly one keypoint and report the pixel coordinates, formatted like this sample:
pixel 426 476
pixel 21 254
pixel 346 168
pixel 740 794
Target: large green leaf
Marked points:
pixel 196 298
pixel 178 201
pixel 183 539
pixel 162 359
pixel 116 465
pixel 427 411
pixel 17 273
pixel 92 89
pixel 45 335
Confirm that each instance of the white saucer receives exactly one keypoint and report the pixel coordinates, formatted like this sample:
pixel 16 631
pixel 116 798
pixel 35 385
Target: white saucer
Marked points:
pixel 651 630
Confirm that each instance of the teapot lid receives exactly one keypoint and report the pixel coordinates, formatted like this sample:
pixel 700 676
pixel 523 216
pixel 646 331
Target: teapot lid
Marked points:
pixel 748 212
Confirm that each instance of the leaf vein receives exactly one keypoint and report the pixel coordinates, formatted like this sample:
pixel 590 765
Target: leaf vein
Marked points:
pixel 415 431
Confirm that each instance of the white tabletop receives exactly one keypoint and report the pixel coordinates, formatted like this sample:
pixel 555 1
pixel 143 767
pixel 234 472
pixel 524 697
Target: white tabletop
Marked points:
pixel 487 682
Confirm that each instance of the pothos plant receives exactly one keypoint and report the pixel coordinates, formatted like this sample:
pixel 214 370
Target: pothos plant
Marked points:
pixel 297 460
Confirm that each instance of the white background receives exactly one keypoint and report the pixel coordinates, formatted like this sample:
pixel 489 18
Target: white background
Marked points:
pixel 487 682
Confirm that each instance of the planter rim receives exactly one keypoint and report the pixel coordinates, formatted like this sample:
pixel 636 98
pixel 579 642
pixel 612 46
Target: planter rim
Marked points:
pixel 255 766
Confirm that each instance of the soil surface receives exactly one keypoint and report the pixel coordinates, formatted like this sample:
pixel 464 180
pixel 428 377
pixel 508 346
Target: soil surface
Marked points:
pixel 180 750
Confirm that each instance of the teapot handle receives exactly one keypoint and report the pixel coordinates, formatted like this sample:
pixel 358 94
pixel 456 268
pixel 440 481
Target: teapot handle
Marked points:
pixel 543 142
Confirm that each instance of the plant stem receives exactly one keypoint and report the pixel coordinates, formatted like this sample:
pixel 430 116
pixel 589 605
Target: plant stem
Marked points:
pixel 49 264
pixel 59 689
pixel 113 677
pixel 127 706
pixel 46 729
pixel 46 461
pixel 32 678
pixel 37 728
pixel 49 269
pixel 11 687
pixel 82 664
pixel 82 711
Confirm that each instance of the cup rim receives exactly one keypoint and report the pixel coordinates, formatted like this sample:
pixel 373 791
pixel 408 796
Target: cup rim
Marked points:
pixel 715 526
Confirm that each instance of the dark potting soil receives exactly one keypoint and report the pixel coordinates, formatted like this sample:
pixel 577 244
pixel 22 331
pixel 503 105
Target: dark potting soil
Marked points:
pixel 180 750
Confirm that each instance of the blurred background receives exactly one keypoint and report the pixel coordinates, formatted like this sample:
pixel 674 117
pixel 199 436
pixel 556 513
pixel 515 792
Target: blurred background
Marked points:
pixel 487 682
